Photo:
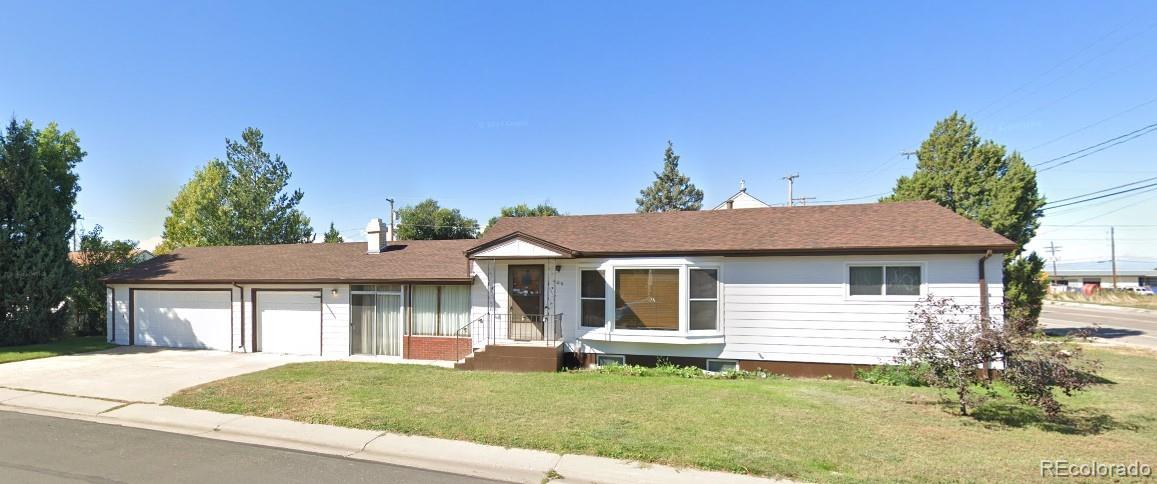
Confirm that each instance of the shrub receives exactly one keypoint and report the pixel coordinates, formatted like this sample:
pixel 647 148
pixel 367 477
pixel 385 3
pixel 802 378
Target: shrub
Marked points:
pixel 894 375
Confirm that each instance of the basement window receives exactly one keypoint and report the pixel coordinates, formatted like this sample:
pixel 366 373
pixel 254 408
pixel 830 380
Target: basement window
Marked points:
pixel 722 365
pixel 610 360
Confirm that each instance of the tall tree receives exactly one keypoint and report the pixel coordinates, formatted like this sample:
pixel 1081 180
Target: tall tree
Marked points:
pixel 429 221
pixel 38 188
pixel 544 209
pixel 96 258
pixel 240 201
pixel 980 180
pixel 332 236
pixel 672 190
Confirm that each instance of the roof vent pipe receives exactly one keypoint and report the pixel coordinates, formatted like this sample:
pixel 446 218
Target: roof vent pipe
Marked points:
pixel 730 204
pixel 377 236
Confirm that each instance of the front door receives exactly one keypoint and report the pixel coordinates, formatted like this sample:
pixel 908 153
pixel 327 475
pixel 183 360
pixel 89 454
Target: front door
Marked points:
pixel 526 302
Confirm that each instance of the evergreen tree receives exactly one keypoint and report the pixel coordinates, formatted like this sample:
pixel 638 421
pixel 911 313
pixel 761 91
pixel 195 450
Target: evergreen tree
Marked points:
pixel 38 190
pixel 524 210
pixel 332 236
pixel 671 191
pixel 978 179
pixel 429 221
pixel 239 201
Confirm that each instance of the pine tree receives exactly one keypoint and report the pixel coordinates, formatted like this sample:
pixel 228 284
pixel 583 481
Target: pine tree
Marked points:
pixel 332 236
pixel 671 191
pixel 38 190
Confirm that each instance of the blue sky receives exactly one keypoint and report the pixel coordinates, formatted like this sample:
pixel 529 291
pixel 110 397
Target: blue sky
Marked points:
pixel 485 104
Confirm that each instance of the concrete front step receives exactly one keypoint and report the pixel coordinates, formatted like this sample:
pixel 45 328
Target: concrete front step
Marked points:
pixel 518 358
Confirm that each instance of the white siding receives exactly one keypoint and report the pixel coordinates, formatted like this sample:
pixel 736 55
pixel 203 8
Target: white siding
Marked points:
pixel 517 248
pixel 775 308
pixel 335 313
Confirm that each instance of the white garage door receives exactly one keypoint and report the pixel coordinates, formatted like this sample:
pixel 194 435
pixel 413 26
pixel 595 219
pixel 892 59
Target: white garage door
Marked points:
pixel 183 319
pixel 289 322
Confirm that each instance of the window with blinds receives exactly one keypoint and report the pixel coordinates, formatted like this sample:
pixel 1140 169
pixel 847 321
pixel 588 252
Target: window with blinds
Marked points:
pixel 647 299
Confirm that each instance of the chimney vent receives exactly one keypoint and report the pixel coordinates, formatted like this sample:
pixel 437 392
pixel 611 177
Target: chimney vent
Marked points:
pixel 730 204
pixel 377 236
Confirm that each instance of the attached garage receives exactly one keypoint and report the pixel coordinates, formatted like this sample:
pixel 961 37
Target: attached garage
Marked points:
pixel 289 321
pixel 201 319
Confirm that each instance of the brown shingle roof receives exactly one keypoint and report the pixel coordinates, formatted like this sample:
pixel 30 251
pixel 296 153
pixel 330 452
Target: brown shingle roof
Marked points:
pixel 403 261
pixel 864 228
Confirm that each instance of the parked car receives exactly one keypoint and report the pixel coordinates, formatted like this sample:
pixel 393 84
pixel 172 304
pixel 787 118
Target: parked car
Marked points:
pixel 1142 290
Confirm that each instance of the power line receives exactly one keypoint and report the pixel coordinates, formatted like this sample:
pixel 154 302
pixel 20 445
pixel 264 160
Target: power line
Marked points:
pixel 1078 130
pixel 874 195
pixel 1097 148
pixel 1104 190
pixel 1050 207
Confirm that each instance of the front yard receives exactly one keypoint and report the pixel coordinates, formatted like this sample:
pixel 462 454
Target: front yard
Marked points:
pixel 815 430
pixel 65 346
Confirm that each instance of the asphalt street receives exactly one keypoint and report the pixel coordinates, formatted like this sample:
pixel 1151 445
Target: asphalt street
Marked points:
pixel 35 449
pixel 1139 328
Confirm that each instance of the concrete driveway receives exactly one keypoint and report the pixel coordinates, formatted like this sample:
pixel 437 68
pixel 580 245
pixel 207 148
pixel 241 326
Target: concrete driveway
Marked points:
pixel 134 374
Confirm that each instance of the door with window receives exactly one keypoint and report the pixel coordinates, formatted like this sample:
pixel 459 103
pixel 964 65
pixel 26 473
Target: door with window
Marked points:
pixel 376 320
pixel 526 302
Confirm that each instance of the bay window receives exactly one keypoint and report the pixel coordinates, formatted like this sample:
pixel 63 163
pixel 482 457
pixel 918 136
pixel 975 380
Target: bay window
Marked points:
pixel 647 299
pixel 704 299
pixel 593 299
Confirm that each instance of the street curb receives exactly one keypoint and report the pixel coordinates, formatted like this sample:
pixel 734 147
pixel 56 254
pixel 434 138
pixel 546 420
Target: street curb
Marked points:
pixel 452 456
pixel 1106 307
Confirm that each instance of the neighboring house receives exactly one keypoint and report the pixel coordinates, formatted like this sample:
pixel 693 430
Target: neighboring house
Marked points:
pixel 1090 277
pixel 741 199
pixel 800 290
pixel 138 256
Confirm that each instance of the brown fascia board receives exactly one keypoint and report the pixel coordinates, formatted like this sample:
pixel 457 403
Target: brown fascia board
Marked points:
pixel 519 235
pixel 800 252
pixel 442 281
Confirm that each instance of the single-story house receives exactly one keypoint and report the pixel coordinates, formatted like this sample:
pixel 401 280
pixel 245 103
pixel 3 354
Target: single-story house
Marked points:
pixel 796 290
pixel 1090 277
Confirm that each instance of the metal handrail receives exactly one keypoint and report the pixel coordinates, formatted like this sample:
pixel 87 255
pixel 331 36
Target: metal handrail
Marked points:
pixel 490 328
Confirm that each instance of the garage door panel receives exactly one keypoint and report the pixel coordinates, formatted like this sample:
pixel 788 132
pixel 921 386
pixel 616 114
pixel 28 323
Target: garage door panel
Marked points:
pixel 183 319
pixel 289 322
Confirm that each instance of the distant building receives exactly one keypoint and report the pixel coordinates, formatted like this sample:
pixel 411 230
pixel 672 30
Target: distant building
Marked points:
pixel 1090 277
pixel 741 199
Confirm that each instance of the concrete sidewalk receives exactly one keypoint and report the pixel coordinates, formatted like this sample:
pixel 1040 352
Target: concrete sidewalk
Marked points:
pixel 464 458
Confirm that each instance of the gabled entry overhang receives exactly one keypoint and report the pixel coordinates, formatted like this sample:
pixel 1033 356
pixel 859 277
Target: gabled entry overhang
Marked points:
pixel 517 245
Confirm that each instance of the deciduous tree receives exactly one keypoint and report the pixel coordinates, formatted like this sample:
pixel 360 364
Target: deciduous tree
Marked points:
pixel 981 180
pixel 240 201
pixel 96 258
pixel 524 210
pixel 429 221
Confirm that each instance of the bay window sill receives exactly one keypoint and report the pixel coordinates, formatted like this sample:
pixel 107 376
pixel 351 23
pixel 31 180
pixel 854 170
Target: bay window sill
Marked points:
pixel 663 337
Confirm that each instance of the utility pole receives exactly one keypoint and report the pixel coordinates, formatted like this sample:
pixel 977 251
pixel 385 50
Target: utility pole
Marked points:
pixel 1113 253
pixel 790 181
pixel 1053 253
pixel 391 238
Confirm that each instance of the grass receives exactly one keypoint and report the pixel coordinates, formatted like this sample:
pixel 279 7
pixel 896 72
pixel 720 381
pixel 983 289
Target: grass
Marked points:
pixel 1108 298
pixel 65 346
pixel 815 430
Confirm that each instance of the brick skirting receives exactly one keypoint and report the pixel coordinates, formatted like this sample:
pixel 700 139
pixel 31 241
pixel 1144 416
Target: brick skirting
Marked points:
pixel 436 348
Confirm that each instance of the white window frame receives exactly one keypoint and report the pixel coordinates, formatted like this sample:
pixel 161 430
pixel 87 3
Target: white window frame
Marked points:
pixel 606 291
pixel 684 266
pixel 883 265
pixel 621 358
pixel 719 360
pixel 686 296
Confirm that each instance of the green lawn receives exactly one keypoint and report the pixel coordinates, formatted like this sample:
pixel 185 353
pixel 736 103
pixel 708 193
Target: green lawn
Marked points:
pixel 815 430
pixel 66 346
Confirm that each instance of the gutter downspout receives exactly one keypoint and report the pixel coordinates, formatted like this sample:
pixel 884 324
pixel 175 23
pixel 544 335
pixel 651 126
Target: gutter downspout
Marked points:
pixel 984 314
pixel 242 291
